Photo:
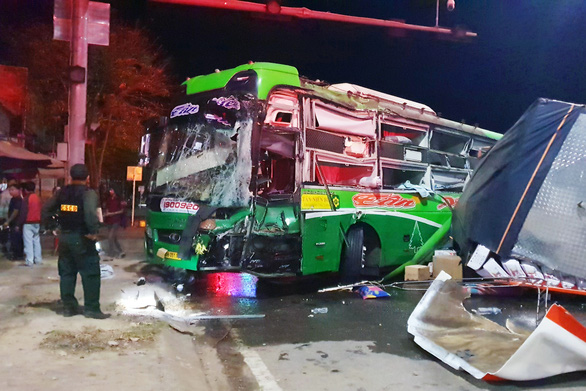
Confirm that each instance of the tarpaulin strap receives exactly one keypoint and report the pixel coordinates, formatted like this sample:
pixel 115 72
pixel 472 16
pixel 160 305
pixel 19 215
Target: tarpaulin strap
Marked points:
pixel 533 177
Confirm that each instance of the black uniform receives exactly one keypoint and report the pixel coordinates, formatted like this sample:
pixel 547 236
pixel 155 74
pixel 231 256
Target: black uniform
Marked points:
pixel 77 206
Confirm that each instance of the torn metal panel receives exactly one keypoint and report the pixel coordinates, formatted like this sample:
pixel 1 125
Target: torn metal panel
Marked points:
pixel 442 326
pixel 525 200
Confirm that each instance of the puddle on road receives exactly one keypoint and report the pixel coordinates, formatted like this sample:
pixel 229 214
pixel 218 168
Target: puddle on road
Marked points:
pixel 230 284
pixel 225 293
pixel 241 293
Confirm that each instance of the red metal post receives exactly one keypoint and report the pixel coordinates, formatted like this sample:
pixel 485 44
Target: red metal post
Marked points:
pixel 78 91
pixel 304 13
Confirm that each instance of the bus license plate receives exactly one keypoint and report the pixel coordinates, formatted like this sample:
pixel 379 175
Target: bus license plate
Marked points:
pixel 172 255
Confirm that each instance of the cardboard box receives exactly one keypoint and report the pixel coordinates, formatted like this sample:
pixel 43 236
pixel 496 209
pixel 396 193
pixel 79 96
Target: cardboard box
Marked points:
pixel 513 268
pixel 451 264
pixel 478 257
pixel 417 273
pixel 445 252
pixel 494 269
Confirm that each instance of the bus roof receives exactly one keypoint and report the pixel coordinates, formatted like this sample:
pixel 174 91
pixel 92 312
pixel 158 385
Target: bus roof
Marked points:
pixel 269 75
pixel 346 88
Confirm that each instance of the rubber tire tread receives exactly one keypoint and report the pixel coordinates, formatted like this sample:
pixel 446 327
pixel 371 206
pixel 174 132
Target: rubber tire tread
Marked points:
pixel 352 262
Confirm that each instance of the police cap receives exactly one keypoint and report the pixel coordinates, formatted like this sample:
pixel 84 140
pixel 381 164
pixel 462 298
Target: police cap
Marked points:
pixel 79 172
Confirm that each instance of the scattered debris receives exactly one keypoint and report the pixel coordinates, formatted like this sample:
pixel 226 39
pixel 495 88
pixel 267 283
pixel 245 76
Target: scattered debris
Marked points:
pixel 91 339
pixel 449 262
pixel 417 273
pixel 348 287
pixel 487 311
pixel 181 327
pixel 371 292
pixel 194 318
pixel 154 301
pixel 524 273
pixel 441 325
pixel 106 272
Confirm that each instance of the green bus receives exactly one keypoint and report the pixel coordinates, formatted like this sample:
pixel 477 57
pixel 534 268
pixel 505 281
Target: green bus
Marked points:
pixel 263 171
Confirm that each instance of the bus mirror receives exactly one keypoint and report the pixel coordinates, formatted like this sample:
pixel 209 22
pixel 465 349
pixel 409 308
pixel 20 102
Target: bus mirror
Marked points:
pixel 143 154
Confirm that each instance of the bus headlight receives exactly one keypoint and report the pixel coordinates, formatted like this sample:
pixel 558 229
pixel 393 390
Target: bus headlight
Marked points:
pixel 207 225
pixel 149 232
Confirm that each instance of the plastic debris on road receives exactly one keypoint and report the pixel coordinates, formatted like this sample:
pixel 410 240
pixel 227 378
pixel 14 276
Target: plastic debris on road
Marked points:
pixel 487 311
pixel 442 326
pixel 156 302
pixel 371 292
pixel 106 272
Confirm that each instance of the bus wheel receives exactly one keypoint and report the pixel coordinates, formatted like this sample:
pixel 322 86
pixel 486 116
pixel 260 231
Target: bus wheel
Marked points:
pixel 353 258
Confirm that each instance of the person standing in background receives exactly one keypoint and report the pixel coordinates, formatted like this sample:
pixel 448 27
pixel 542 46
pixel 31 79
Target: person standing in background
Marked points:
pixel 113 219
pixel 30 220
pixel 4 203
pixel 15 232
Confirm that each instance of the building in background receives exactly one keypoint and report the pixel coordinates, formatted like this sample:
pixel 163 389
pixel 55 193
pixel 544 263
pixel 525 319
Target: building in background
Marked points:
pixel 13 102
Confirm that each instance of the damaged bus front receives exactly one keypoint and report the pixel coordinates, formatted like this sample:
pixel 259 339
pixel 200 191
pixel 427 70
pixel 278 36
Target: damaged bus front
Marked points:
pixel 262 171
pixel 201 214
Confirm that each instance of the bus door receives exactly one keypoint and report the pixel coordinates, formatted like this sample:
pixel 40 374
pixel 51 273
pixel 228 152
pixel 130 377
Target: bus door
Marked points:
pixel 275 244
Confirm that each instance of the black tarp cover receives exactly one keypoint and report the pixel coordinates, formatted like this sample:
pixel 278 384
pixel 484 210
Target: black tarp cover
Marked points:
pixel 499 196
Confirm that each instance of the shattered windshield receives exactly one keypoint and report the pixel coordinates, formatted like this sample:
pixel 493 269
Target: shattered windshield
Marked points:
pixel 204 155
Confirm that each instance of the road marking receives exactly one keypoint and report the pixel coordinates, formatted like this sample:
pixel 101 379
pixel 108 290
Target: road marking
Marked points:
pixel 263 376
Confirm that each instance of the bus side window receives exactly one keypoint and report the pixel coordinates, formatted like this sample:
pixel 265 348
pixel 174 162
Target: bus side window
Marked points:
pixel 283 117
pixel 283 109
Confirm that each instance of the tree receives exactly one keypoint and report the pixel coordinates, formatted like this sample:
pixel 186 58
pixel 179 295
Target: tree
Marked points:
pixel 128 83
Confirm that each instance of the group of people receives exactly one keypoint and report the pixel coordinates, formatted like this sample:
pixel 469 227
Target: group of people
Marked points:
pixel 76 207
pixel 20 216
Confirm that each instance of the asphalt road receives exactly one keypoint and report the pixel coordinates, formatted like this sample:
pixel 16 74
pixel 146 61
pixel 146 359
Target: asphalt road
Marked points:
pixel 356 345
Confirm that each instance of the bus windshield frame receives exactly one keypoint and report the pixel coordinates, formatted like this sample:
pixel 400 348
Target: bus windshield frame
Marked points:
pixel 203 154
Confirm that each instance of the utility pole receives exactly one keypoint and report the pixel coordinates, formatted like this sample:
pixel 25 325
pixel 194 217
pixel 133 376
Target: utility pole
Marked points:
pixel 78 87
pixel 81 22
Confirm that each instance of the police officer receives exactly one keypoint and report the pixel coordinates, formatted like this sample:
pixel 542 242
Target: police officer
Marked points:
pixel 76 206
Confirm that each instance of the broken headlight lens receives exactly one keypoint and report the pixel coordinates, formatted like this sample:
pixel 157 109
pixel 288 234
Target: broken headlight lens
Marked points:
pixel 208 225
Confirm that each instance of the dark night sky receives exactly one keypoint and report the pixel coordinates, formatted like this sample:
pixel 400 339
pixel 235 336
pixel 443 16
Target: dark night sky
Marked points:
pixel 525 49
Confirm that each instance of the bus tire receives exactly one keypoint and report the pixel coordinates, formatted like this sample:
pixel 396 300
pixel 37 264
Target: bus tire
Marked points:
pixel 351 266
